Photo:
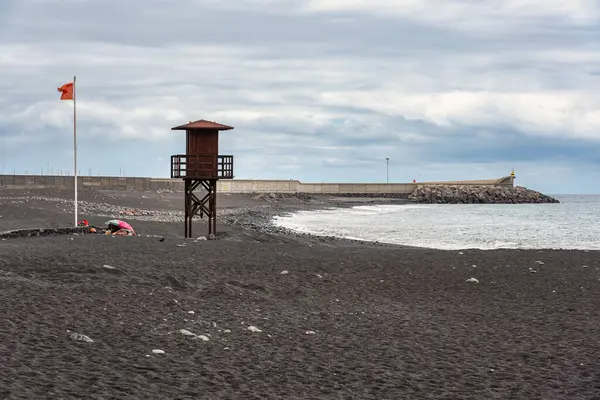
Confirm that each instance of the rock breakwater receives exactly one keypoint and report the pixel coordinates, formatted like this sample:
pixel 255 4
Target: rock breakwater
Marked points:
pixel 477 194
pixel 44 232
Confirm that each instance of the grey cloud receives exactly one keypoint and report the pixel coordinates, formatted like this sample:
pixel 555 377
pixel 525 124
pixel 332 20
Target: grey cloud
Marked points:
pixel 159 24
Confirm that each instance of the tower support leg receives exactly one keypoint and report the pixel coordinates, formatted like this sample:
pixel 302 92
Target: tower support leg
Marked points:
pixel 195 205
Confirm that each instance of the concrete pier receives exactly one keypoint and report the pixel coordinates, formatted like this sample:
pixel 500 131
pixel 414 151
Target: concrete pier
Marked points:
pixel 141 184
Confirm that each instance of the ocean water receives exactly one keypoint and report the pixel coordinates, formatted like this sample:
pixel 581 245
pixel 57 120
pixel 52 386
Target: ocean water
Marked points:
pixel 572 224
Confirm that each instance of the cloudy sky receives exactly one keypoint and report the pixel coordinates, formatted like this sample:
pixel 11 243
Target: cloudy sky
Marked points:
pixel 317 90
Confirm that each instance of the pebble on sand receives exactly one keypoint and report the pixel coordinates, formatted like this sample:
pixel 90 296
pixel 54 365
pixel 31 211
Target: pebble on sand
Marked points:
pixel 253 329
pixel 158 351
pixel 310 332
pixel 108 266
pixel 80 337
pixel 284 272
pixel 472 280
pixel 185 332
pixel 539 262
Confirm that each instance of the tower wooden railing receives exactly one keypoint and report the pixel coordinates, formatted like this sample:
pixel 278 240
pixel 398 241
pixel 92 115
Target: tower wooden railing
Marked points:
pixel 202 166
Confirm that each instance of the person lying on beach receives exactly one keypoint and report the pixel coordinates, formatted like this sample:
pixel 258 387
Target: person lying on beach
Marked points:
pixel 118 227
pixel 115 230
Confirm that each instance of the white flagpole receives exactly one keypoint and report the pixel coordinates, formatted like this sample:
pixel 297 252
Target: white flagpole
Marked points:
pixel 75 144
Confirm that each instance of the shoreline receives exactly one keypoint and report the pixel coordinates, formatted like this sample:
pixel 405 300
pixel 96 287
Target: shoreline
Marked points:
pixel 248 212
pixel 261 220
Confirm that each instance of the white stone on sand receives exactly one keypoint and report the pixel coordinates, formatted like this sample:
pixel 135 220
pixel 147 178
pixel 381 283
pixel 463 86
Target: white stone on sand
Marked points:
pixel 472 280
pixel 185 332
pixel 80 337
pixel 253 329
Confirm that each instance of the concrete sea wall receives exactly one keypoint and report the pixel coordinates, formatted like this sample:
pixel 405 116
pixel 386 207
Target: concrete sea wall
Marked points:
pixel 141 184
pixel 133 184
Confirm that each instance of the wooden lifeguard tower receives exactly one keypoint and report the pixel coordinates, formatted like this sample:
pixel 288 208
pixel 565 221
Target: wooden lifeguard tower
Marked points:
pixel 201 166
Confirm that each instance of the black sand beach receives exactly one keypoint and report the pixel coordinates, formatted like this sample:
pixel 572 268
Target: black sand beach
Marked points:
pixel 336 319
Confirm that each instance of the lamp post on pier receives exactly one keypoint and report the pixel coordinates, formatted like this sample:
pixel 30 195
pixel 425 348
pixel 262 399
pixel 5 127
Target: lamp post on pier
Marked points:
pixel 387 170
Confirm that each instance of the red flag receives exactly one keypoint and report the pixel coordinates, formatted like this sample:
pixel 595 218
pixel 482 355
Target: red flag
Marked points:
pixel 66 91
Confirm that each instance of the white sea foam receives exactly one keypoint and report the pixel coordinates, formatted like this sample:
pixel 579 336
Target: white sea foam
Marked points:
pixel 572 224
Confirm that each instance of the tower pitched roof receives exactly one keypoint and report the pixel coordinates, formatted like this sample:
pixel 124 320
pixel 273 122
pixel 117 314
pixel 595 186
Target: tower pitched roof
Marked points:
pixel 202 124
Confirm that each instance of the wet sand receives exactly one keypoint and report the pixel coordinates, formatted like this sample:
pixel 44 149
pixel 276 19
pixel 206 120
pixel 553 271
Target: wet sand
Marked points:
pixel 337 319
